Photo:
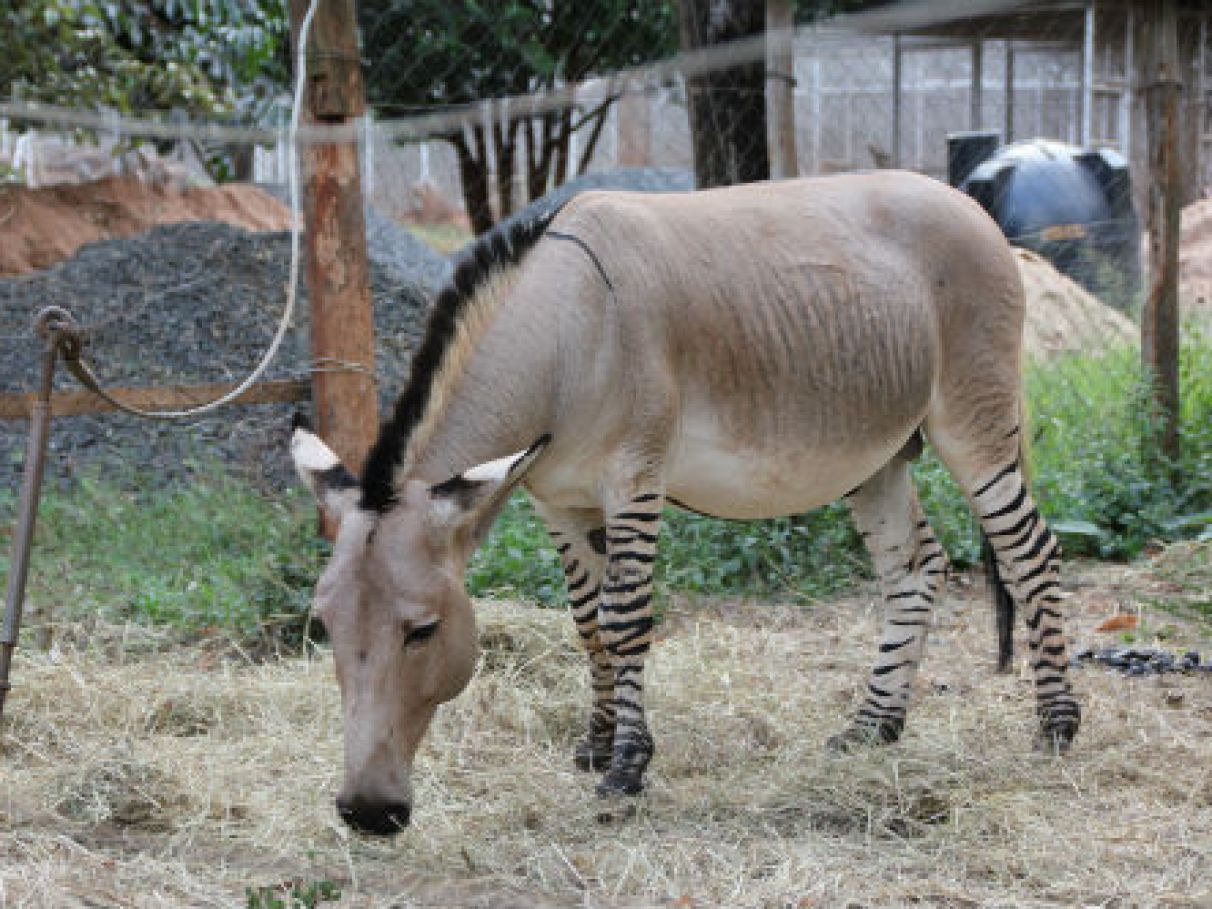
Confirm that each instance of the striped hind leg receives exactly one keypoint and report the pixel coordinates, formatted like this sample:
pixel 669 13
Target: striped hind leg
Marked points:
pixel 911 567
pixel 580 539
pixel 1028 559
pixel 625 626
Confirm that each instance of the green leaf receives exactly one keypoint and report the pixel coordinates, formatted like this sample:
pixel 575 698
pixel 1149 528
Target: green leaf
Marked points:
pixel 1075 528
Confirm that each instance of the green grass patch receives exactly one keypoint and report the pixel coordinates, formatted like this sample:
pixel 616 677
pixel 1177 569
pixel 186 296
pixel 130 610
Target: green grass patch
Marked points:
pixel 211 554
pixel 1098 476
pixel 812 555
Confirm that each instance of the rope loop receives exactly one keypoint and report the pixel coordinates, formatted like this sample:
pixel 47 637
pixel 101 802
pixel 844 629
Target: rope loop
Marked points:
pixel 71 338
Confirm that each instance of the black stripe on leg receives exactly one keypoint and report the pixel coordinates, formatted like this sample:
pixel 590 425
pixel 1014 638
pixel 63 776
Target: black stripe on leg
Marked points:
pixel 1005 472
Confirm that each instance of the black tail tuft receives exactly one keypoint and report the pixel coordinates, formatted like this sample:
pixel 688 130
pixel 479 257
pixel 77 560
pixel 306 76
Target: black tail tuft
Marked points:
pixel 1003 605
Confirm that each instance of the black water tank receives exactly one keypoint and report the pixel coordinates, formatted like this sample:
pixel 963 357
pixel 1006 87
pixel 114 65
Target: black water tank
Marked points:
pixel 1073 206
pixel 966 151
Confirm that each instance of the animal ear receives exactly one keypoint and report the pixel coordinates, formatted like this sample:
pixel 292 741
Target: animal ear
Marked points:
pixel 335 488
pixel 472 499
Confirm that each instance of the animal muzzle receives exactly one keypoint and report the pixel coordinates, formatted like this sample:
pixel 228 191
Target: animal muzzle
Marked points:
pixel 374 817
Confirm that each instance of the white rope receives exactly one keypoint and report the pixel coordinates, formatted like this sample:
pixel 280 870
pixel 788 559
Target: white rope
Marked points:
pixel 293 282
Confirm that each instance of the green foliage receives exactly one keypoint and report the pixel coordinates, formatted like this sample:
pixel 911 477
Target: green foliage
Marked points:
pixel 213 554
pixel 810 555
pixel 953 522
pixel 427 53
pixel 292 895
pixel 433 52
pixel 517 558
pixel 203 57
pixel 1098 476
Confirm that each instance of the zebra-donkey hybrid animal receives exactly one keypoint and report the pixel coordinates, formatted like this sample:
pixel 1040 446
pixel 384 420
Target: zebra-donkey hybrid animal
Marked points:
pixel 744 352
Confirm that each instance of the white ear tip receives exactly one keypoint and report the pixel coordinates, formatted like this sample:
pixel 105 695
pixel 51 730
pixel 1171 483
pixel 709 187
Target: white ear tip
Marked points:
pixel 491 471
pixel 310 453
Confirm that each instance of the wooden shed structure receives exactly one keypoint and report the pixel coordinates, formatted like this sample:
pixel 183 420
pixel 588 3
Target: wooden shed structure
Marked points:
pixel 1114 43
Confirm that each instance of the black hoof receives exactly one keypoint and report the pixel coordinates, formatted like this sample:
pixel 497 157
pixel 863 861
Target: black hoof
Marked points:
pixel 628 762
pixel 865 735
pixel 593 756
pixel 1058 726
pixel 620 782
pixel 1056 737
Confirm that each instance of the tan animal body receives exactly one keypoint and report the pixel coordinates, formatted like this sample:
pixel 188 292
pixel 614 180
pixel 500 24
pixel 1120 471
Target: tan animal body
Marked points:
pixel 745 352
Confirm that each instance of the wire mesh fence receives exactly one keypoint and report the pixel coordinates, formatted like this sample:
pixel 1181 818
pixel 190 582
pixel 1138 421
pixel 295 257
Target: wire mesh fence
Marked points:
pixel 478 111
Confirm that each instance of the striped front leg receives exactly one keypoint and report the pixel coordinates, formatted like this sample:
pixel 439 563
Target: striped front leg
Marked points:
pixel 1028 557
pixel 625 626
pixel 580 540
pixel 912 567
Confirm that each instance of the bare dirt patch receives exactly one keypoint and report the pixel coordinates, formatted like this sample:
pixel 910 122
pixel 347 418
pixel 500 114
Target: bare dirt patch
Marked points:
pixel 137 776
pixel 1062 316
pixel 1195 259
pixel 39 227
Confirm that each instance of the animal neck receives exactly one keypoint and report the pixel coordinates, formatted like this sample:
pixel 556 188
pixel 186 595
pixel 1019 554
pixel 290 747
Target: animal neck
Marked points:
pixel 481 388
pixel 493 394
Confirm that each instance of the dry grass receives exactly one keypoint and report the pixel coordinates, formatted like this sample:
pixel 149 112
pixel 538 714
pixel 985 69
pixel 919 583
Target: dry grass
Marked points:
pixel 136 775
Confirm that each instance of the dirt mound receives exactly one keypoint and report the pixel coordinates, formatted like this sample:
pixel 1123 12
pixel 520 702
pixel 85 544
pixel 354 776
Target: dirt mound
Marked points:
pixel 1064 317
pixel 39 227
pixel 1195 258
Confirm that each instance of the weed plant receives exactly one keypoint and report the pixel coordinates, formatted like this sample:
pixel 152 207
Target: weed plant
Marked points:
pixel 211 554
pixel 217 553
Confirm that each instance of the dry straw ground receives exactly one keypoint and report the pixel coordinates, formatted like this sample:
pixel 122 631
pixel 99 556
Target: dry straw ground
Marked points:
pixel 137 774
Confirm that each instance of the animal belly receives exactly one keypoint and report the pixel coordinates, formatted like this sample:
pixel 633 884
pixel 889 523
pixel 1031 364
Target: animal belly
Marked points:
pixel 743 483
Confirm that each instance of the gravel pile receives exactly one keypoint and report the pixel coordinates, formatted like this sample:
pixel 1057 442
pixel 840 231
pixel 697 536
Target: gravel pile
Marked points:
pixel 193 302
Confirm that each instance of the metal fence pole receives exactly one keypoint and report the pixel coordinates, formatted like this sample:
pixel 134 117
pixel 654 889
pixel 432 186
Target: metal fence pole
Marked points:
pixel 49 323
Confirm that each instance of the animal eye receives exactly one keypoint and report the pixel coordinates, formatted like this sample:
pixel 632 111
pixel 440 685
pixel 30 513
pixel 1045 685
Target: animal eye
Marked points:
pixel 421 633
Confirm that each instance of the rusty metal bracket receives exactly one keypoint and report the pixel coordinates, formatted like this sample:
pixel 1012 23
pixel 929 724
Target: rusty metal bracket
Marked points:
pixel 59 333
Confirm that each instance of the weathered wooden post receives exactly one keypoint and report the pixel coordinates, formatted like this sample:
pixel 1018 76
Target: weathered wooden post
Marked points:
pixel 780 88
pixel 344 398
pixel 1159 318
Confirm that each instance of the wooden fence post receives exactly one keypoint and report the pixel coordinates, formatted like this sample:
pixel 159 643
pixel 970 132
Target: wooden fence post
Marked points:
pixel 1159 318
pixel 780 88
pixel 342 327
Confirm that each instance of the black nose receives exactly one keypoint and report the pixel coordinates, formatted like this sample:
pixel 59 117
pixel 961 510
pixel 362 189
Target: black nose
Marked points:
pixel 377 818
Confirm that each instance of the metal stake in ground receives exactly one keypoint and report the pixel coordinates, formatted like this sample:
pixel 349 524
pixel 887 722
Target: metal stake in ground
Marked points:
pixel 55 326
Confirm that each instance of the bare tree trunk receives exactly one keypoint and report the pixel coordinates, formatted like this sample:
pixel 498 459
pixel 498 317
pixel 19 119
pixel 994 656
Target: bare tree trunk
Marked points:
pixel 728 106
pixel 563 146
pixel 473 174
pixel 540 150
pixel 780 88
pixel 595 134
pixel 505 140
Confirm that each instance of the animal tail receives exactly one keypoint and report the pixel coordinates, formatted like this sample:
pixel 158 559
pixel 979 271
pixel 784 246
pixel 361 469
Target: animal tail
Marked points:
pixel 1003 603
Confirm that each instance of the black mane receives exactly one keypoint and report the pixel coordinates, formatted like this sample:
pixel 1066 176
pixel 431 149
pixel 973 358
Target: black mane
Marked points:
pixel 502 247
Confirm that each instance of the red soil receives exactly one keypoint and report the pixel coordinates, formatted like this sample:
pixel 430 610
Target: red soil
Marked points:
pixel 39 227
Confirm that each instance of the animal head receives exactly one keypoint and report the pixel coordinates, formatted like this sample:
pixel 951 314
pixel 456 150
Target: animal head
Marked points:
pixel 400 622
